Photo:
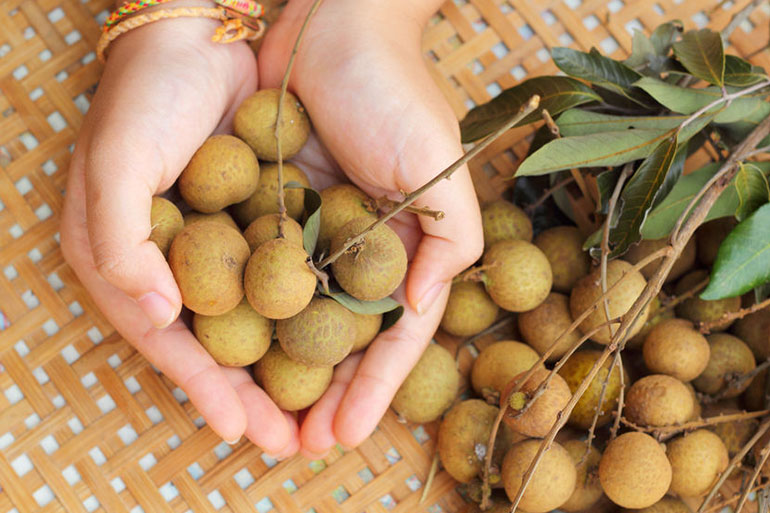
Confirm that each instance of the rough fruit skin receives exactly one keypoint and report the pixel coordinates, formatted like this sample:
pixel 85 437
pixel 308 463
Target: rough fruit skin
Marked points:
pixel 166 222
pixel 518 275
pixel 664 505
pixel 634 471
pixel 620 299
pixel 502 220
pixel 588 490
pixel 341 204
pixel 697 460
pixel 469 310
pixel 430 387
pixel 699 310
pixel 265 198
pixel 754 329
pixel 540 417
pixel 542 326
pixel 729 356
pixel 552 483
pixel 265 227
pixel 291 385
pixel 217 217
pixel 236 338
pixel 563 247
pixel 367 328
pixel 498 364
pixel 321 335
pixel 466 425
pixel 375 269
pixel 255 119
pixel 734 434
pixel 710 236
pixel 658 400
pixel 223 171
pixel 277 280
pixel 644 248
pixel 675 348
pixel 574 370
pixel 207 260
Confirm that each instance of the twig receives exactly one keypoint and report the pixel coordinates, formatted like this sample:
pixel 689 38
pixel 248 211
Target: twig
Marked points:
pixel 494 327
pixel 683 297
pixel 429 481
pixel 763 454
pixel 758 151
pixel 279 115
pixel 576 174
pixel 739 18
pixel 721 505
pixel 621 398
pixel 705 327
pixel 386 202
pixel 662 433
pixel 736 382
pixel 547 194
pixel 526 109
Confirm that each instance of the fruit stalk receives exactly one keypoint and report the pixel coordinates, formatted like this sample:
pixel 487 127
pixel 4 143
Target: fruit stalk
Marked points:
pixel 663 433
pixel 705 327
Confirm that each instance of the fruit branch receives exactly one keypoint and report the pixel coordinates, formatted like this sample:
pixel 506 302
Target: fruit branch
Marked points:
pixel 663 433
pixel 721 505
pixel 388 203
pixel 494 327
pixel 705 327
pixel 763 454
pixel 547 194
pixel 669 305
pixel 574 172
pixel 525 110
pixel 736 382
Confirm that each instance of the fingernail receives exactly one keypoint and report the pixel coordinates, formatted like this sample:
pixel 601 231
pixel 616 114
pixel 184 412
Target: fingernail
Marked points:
pixel 157 309
pixel 233 442
pixel 313 456
pixel 430 297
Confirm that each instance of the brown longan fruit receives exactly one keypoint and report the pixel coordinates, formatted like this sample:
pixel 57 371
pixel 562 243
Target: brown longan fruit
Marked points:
pixel 264 200
pixel 657 314
pixel 291 385
pixel 469 309
pixel 588 490
pixel 697 460
pixel 430 387
pixel 518 275
pixel 341 204
pixel 502 220
pixel 684 263
pixel 217 217
pixel 658 400
pixel 700 310
pixel 754 329
pixel 265 228
pixel 498 364
pixel 729 357
pixel 166 222
pixel 551 319
pixel 664 505
pixel 574 370
pixel 710 236
pixel 367 328
pixel 541 415
pixel 675 348
pixel 563 247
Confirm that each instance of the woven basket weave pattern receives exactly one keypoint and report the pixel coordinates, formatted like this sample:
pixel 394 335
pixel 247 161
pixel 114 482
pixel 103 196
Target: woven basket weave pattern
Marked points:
pixel 86 424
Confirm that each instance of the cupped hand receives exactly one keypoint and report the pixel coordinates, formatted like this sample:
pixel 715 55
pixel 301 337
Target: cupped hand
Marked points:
pixel 382 123
pixel 166 87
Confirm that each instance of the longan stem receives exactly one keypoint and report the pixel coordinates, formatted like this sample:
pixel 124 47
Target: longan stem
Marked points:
pixel 705 327
pixel 683 297
pixel 662 433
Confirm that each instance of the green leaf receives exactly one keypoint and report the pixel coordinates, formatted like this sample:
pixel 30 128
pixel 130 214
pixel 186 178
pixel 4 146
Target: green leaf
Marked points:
pixel 557 94
pixel 382 306
pixel 742 259
pixel 739 130
pixel 703 54
pixel 674 173
pixel 664 36
pixel 391 317
pixel 740 72
pixel 593 240
pixel 642 51
pixel 593 150
pixel 606 182
pixel 762 292
pixel 639 194
pixel 582 122
pixel 752 190
pixel 662 219
pixel 313 224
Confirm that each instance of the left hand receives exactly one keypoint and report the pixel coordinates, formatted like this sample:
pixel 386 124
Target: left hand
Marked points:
pixel 380 122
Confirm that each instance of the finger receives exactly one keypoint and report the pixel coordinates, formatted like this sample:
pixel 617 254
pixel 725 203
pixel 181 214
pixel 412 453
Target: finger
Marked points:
pixel 317 432
pixel 384 367
pixel 174 351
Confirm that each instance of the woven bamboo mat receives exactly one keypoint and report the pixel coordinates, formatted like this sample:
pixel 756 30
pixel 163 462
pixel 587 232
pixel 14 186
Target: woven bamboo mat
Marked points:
pixel 86 424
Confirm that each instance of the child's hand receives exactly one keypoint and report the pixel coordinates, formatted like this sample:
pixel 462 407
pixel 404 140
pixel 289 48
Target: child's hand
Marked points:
pixel 382 122
pixel 165 89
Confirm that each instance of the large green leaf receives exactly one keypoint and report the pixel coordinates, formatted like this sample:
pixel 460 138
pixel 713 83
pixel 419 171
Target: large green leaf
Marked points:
pixel 741 73
pixel 702 53
pixel 582 122
pixel 642 51
pixel 665 35
pixel 751 189
pixel 557 94
pixel 662 219
pixel 602 149
pixel 739 130
pixel 639 194
pixel 743 259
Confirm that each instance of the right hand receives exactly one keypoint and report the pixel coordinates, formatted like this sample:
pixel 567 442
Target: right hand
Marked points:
pixel 166 88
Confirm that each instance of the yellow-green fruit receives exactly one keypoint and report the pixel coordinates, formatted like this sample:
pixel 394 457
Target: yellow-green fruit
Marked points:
pixel 634 471
pixel 502 220
pixel 320 335
pixel 675 348
pixel 236 338
pixel 341 204
pixel 166 221
pixel 657 314
pixel 588 290
pixel 710 236
pixel 658 400
pixel 551 484
pixel 278 282
pixel 588 490
pixel 574 370
pixel 466 426
pixel 563 247
pixel 374 269
pixel 469 310
pixel 697 409
pixel 664 505
pixel 255 121
pixel 754 329
pixel 430 387
pixel 702 310
pixel 367 328
pixel 541 415
pixel 291 385
pixel 542 326
pixel 518 275
pixel 644 248
pixel 265 228
pixel 754 397
pixel 498 364
pixel 734 434
pixel 265 198
pixel 697 460
pixel 730 356
pixel 217 217
pixel 207 260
